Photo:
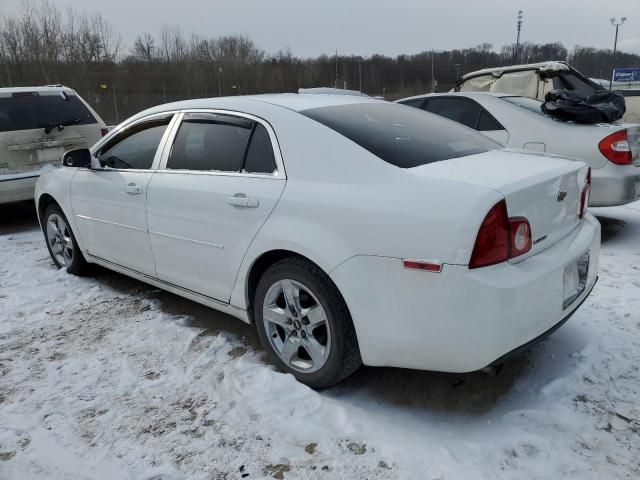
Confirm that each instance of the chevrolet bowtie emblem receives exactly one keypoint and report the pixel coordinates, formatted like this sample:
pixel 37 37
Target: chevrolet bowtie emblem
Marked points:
pixel 562 194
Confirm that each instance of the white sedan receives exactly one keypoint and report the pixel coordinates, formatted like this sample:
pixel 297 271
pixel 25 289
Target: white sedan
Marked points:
pixel 612 150
pixel 348 230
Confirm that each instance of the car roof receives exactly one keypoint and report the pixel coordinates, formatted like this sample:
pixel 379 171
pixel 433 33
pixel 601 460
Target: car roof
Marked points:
pixel 460 94
pixel 552 65
pixel 46 89
pixel 292 101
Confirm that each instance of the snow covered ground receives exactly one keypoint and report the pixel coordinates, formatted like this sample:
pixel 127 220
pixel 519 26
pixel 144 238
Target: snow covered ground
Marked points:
pixel 104 377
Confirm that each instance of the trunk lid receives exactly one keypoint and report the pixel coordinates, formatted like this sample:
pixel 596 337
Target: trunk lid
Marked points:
pixel 544 189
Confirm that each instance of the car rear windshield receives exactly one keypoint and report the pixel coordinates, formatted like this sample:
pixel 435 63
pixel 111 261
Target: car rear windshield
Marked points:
pixel 401 135
pixel 530 104
pixel 32 111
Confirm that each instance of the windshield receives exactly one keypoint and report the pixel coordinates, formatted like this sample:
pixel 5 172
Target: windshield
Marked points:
pixel 530 104
pixel 401 135
pixel 33 111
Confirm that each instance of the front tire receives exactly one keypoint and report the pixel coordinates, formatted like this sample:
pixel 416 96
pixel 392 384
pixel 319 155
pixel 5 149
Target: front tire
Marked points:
pixel 304 323
pixel 61 242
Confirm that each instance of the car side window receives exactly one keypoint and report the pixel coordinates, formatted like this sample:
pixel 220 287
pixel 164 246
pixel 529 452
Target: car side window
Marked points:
pixel 486 123
pixel 260 158
pixel 210 142
pixel 416 102
pixel 457 109
pixel 136 147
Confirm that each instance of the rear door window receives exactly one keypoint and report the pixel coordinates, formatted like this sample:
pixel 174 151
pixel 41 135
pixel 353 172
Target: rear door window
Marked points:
pixel 405 137
pixel 28 111
pixel 210 142
pixel 260 157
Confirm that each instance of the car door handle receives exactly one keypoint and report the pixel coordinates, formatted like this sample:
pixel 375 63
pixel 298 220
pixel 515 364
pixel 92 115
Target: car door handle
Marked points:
pixel 133 189
pixel 241 200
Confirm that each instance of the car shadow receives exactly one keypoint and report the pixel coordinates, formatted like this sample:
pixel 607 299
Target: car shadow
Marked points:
pixel 17 217
pixel 611 227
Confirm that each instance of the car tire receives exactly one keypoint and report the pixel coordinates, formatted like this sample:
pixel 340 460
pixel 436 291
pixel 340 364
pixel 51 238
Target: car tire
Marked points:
pixel 319 349
pixel 61 242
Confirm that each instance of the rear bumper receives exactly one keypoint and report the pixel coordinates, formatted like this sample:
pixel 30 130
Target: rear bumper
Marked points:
pixel 615 185
pixel 461 320
pixel 17 189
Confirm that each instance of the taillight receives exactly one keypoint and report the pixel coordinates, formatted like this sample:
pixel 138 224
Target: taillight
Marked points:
pixel 584 197
pixel 500 237
pixel 104 131
pixel 520 236
pixel 616 148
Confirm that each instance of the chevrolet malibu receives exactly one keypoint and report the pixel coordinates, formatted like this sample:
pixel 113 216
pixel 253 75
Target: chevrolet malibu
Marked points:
pixel 348 230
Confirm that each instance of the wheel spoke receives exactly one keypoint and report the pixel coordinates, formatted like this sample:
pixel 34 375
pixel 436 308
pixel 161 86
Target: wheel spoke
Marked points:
pixel 67 243
pixel 315 350
pixel 56 247
pixel 292 297
pixel 52 228
pixel 290 347
pixel 316 316
pixel 275 314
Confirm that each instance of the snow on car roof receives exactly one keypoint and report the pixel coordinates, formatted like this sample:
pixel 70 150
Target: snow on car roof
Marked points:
pixel 543 66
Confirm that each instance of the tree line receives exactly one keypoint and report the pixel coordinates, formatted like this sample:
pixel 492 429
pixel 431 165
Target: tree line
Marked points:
pixel 42 44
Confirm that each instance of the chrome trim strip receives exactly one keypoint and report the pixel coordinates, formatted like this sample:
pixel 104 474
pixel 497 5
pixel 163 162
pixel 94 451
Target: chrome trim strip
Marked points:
pixel 176 237
pixel 137 229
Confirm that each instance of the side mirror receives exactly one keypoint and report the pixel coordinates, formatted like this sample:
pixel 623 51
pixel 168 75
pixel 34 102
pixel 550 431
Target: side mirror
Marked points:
pixel 77 158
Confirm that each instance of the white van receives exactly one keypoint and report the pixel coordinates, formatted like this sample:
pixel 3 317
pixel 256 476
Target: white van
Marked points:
pixel 37 125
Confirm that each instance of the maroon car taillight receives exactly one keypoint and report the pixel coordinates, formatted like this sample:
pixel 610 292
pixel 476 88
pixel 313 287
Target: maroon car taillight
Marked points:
pixel 500 237
pixel 584 196
pixel 616 149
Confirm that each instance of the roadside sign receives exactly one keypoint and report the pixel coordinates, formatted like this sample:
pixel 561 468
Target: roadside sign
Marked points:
pixel 626 74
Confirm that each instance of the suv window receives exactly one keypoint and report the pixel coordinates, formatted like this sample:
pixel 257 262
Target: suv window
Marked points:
pixel 260 157
pixel 136 147
pixel 28 111
pixel 207 141
pixel 459 110
pixel 405 137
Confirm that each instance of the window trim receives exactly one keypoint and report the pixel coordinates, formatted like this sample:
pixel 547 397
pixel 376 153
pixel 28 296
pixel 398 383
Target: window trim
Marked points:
pixel 278 174
pixel 123 128
pixel 425 106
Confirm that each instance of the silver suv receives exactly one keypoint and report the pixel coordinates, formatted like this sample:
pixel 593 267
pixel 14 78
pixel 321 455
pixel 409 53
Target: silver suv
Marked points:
pixel 37 125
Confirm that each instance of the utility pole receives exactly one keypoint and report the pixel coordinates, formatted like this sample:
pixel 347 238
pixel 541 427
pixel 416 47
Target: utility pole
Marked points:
pixel 219 81
pixel 335 83
pixel 516 53
pixel 433 84
pixel 115 103
pixel 457 65
pixel 616 24
pixel 360 72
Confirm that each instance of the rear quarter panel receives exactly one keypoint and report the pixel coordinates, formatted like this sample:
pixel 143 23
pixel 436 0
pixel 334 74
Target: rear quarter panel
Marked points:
pixel 341 201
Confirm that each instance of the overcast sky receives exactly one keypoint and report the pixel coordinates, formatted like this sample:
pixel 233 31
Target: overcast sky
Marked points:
pixel 363 27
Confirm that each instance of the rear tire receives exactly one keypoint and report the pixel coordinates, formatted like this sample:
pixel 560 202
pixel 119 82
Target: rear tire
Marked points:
pixel 61 242
pixel 304 324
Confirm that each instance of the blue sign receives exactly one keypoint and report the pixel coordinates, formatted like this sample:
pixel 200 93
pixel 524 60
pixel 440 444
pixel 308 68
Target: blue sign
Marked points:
pixel 626 74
